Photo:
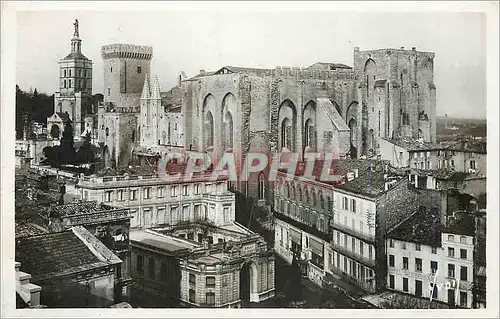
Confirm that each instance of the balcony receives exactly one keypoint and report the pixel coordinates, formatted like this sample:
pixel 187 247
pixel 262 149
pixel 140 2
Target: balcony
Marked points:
pixel 370 239
pixel 353 255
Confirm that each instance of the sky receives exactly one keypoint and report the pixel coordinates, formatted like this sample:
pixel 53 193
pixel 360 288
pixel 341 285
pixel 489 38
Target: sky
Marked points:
pixel 192 40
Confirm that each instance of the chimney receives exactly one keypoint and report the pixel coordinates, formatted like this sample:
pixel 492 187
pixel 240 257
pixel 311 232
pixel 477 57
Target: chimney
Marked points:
pixel 180 80
pixel 402 48
pixel 202 72
pixel 414 48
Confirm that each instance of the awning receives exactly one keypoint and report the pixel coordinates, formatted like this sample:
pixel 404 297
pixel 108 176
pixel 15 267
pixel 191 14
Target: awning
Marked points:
pixel 316 246
pixel 296 236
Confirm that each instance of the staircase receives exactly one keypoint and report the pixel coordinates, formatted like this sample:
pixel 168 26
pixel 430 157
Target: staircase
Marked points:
pixel 30 293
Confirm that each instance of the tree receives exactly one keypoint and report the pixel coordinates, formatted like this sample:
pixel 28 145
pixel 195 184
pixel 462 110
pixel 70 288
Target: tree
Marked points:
pixel 67 153
pixel 85 153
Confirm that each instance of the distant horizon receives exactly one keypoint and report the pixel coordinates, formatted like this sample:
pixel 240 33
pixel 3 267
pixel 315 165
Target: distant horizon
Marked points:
pixel 210 40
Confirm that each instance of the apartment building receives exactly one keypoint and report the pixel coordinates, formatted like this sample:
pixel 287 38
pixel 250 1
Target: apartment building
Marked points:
pixel 339 226
pixel 430 260
pixel 170 199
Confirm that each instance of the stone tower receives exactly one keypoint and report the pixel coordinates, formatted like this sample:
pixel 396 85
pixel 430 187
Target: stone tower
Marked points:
pixel 151 109
pixel 398 94
pixel 125 69
pixel 75 86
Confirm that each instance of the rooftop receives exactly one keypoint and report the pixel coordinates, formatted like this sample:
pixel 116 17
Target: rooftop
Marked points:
pixel 422 228
pixel 25 229
pixel 410 144
pixel 445 174
pixel 75 55
pixel 63 253
pixel 371 178
pixel 157 240
pixel 462 225
pixel 331 66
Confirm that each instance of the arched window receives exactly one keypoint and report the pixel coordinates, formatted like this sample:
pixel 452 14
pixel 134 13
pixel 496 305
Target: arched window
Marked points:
pixel 300 193
pixel 69 85
pixel 313 197
pixel 133 136
pixel 262 186
pixel 55 131
pixel 321 201
pixel 64 83
pixel 293 192
pixel 228 129
pixel 306 194
pixel 209 129
pixel 310 134
pixel 107 131
pixel 288 190
pixel 286 134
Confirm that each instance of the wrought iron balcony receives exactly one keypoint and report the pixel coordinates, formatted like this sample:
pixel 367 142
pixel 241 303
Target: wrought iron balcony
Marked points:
pixel 353 255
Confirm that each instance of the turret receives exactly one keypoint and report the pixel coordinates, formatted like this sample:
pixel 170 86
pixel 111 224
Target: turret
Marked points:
pixel 145 90
pixel 155 90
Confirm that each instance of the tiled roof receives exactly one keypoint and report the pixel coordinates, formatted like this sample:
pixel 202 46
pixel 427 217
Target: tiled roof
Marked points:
pixel 331 65
pixel 25 229
pixel 421 228
pixel 79 208
pixel 465 225
pixel 165 242
pixel 75 55
pixel 444 174
pixel 370 180
pixel 63 253
pixel 455 145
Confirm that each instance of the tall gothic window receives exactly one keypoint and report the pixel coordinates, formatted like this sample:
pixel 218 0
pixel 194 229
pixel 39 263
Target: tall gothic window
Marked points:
pixel 209 129
pixel 262 186
pixel 286 134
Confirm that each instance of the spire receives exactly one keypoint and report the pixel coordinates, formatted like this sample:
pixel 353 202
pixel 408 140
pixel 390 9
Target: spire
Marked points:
pixel 145 90
pixel 155 90
pixel 76 42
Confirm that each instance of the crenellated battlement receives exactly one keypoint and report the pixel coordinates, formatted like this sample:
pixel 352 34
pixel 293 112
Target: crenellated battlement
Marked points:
pixel 127 51
pixel 299 73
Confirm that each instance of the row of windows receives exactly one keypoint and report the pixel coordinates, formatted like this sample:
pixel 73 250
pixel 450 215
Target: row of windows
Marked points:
pixel 303 215
pixel 209 297
pixel 445 163
pixel 349 266
pixel 65 74
pixel 304 196
pixel 463 239
pixel 435 291
pixel 426 165
pixel 82 84
pixel 353 241
pixel 353 225
pixel 451 250
pixel 433 266
pixel 146 192
pixel 139 70
pixel 166 269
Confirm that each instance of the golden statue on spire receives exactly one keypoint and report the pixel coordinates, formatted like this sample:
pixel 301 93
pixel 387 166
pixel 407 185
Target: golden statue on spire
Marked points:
pixel 76 34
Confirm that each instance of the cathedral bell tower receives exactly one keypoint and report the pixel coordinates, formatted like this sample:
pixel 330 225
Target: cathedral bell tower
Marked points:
pixel 75 88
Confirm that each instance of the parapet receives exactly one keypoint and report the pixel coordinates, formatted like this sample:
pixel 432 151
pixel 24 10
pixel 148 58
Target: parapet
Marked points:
pixel 127 51
pixel 307 73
